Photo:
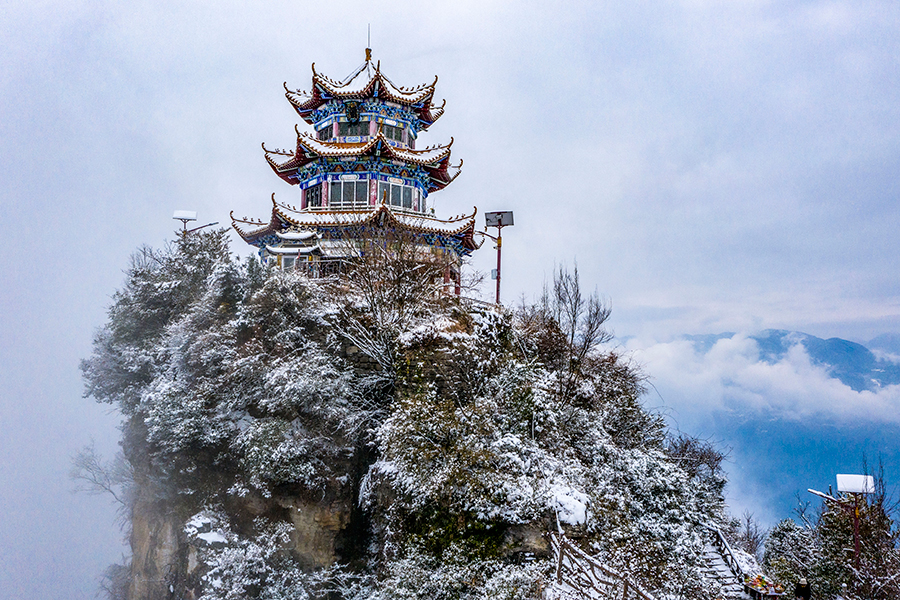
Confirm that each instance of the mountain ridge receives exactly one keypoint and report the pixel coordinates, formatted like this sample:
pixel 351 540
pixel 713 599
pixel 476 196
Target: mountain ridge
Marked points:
pixel 854 364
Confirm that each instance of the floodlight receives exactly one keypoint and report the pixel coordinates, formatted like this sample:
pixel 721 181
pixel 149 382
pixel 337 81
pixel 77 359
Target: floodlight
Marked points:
pixel 856 484
pixel 185 215
pixel 502 218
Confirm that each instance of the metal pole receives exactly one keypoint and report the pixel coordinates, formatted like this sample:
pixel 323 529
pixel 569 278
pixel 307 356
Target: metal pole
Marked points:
pixel 856 530
pixel 499 238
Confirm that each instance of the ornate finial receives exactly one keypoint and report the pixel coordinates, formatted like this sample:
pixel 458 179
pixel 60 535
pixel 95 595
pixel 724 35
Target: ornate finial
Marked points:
pixel 368 54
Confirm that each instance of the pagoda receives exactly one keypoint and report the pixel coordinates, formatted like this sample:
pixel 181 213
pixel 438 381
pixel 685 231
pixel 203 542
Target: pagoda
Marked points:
pixel 359 173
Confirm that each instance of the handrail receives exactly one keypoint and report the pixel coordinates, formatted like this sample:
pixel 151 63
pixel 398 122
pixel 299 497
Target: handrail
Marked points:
pixel 583 572
pixel 480 302
pixel 727 553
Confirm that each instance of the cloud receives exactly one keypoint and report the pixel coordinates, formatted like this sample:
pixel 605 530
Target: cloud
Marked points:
pixel 732 377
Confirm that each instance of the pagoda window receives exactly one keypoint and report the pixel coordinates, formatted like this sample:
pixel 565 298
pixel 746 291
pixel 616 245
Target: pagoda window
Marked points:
pixel 407 197
pixel 393 133
pixel 399 195
pixel 324 134
pixel 358 128
pixel 287 262
pixel 314 196
pixel 349 195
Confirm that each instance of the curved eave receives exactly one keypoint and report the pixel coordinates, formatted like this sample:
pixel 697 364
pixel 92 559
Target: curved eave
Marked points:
pixel 378 145
pixel 441 176
pixel 385 88
pixel 464 234
pixel 351 218
pixel 277 222
pixel 434 159
pixel 378 86
pixel 429 114
pixel 461 229
pixel 297 250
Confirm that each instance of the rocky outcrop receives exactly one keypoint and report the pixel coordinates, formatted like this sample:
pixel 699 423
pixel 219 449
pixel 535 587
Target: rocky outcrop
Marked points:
pixel 156 544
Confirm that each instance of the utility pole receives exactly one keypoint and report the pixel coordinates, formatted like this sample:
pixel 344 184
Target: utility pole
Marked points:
pixel 499 220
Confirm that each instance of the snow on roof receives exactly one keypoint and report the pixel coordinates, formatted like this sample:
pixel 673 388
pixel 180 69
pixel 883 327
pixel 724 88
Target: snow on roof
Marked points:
pixel 358 217
pixel 366 81
pixel 363 79
pixel 296 236
pixel 429 155
pixel 299 250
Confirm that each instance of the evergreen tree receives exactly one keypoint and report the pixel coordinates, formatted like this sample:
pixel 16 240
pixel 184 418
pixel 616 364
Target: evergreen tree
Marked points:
pixel 824 551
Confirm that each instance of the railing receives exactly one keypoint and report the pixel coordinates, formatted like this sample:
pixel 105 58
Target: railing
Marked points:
pixel 727 553
pixel 732 563
pixel 588 577
pixel 478 302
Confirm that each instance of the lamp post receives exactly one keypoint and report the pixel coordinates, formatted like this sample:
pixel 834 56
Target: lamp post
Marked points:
pixel 186 216
pixel 856 486
pixel 499 219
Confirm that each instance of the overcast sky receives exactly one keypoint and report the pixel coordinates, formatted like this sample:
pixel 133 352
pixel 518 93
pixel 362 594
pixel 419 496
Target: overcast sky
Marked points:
pixel 711 166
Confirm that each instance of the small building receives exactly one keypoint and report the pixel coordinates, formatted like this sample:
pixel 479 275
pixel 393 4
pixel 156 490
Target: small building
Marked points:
pixel 360 174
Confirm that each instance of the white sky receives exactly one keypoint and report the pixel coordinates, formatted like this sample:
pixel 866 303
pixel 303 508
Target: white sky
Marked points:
pixel 710 166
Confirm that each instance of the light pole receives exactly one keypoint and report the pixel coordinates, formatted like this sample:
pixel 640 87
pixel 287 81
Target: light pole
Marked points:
pixel 185 216
pixel 856 486
pixel 499 219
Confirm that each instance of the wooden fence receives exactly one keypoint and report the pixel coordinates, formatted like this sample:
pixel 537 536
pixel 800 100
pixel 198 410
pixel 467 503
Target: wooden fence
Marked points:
pixel 588 577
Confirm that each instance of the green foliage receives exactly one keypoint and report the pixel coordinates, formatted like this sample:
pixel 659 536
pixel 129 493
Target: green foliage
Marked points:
pixel 437 530
pixel 824 550
pixel 484 434
pixel 790 553
pixel 456 575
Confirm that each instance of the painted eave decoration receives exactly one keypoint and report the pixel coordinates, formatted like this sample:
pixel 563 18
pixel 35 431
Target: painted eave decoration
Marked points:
pixel 285 218
pixel 367 81
pixel 435 159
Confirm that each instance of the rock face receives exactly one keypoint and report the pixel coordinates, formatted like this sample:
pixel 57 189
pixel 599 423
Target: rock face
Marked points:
pixel 316 530
pixel 157 545
pixel 169 562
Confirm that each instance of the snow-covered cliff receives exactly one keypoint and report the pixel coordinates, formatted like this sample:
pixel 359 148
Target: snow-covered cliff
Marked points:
pixel 365 437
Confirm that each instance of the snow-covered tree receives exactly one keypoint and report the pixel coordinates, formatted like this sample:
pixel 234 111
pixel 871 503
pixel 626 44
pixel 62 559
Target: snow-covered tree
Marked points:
pixel 824 549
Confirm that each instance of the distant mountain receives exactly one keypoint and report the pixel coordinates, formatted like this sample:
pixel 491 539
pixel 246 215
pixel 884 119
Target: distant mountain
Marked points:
pixel 853 364
pixel 886 342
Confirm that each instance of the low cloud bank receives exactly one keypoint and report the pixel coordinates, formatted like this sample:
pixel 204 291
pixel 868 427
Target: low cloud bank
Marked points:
pixel 734 376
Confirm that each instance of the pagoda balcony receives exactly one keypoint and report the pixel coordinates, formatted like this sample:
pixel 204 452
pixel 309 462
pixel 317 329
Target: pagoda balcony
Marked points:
pixel 361 210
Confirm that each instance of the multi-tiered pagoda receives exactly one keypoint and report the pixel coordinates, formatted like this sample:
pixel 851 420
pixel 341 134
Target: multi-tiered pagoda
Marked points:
pixel 360 171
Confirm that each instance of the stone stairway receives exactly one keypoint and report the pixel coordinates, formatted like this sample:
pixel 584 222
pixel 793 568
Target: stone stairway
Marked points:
pixel 717 570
